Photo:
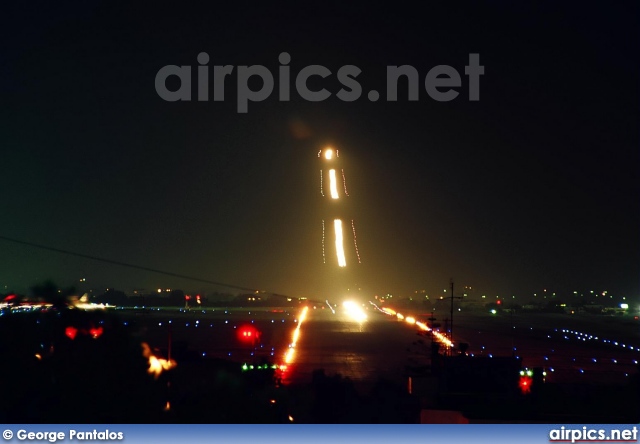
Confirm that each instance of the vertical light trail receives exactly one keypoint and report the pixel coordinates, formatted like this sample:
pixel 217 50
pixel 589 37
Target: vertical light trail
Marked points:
pixel 355 242
pixel 333 184
pixel 330 157
pixel 344 183
pixel 342 261
pixel 324 260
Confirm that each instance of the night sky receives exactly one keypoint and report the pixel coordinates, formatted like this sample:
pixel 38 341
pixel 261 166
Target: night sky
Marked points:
pixel 533 186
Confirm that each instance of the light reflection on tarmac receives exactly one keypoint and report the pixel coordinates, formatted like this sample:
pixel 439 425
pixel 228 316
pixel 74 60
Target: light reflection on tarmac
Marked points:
pixel 361 351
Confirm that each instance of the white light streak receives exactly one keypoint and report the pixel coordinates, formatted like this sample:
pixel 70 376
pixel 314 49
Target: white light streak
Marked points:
pixel 330 307
pixel 288 358
pixel 290 353
pixel 342 261
pixel 333 184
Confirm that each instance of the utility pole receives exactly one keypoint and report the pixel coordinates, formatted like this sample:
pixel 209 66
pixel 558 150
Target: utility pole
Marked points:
pixel 431 320
pixel 513 347
pixel 451 317
pixel 167 406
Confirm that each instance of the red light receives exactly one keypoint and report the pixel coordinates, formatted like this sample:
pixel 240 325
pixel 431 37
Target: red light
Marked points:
pixel 499 302
pixel 187 297
pixel 525 384
pixel 10 297
pixel 249 333
pixel 96 332
pixel 71 332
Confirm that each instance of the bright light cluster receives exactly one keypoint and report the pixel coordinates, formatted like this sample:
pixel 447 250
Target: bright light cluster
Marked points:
pixel 156 365
pixel 355 312
pixel 328 154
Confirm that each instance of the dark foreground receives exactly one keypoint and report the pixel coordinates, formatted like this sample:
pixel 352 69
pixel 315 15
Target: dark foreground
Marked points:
pixel 96 372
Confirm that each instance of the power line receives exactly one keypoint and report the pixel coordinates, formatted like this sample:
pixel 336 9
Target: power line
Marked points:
pixel 138 267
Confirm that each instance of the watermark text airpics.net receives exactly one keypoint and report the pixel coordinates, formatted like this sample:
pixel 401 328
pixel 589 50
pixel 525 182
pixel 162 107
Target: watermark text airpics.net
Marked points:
pixel 440 82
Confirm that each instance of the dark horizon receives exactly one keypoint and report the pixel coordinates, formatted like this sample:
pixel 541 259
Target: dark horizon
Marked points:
pixel 534 186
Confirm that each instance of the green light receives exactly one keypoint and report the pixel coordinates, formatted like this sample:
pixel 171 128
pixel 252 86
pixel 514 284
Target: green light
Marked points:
pixel 245 367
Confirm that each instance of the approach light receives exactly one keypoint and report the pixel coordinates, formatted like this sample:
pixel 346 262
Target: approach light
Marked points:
pixel 248 333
